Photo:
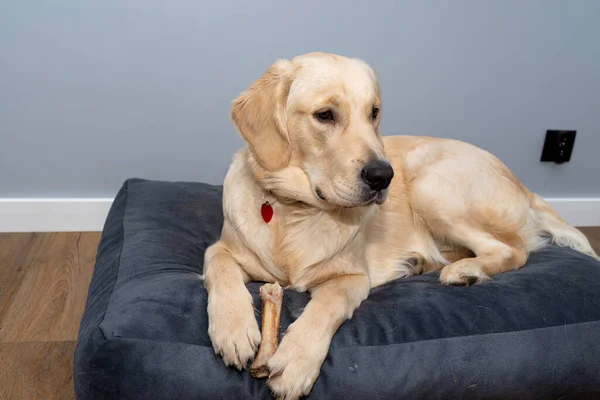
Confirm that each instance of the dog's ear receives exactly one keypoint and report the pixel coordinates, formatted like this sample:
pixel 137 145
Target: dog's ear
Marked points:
pixel 259 114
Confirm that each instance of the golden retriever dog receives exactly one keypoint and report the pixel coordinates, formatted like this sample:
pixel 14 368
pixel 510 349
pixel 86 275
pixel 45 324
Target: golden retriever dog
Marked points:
pixel 352 210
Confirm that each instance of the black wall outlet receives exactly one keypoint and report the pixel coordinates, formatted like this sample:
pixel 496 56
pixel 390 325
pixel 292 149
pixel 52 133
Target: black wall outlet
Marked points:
pixel 558 146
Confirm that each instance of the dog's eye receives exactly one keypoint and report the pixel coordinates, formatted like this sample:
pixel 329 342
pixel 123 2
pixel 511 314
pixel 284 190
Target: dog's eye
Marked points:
pixel 324 116
pixel 374 112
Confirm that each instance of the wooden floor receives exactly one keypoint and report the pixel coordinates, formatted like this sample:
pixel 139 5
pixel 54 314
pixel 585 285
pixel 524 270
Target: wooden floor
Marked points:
pixel 43 287
pixel 593 234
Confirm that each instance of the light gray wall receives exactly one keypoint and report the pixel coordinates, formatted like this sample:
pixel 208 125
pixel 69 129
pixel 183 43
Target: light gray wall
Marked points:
pixel 94 92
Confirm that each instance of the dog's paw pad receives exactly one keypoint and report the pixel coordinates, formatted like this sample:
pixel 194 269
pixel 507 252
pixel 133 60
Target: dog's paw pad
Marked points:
pixel 471 280
pixel 462 273
pixel 415 265
pixel 455 283
pixel 468 280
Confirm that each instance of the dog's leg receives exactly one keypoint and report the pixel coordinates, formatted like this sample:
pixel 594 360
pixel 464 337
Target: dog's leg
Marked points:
pixel 297 363
pixel 232 326
pixel 492 256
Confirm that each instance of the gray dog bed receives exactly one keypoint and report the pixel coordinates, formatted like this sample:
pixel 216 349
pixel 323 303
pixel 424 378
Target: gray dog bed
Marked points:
pixel 531 333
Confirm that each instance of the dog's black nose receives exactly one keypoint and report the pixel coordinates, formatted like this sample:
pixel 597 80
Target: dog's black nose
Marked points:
pixel 377 174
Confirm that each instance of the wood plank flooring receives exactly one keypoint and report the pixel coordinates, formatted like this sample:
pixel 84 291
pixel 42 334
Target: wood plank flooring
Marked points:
pixel 593 235
pixel 37 370
pixel 44 280
pixel 43 286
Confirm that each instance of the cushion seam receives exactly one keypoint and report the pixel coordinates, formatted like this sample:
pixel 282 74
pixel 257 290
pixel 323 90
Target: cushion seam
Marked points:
pixel 469 336
pixel 118 260
pixel 123 338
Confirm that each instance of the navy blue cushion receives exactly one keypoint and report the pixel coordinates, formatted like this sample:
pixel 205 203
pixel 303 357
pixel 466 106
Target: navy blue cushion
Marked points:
pixel 532 333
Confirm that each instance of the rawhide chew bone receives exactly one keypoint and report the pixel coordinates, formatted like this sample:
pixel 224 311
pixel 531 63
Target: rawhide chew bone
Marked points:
pixel 272 296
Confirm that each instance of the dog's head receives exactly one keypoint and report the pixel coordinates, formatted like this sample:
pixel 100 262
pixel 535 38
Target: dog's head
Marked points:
pixel 319 112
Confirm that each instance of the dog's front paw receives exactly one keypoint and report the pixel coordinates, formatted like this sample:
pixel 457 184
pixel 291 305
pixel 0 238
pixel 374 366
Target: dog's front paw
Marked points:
pixel 232 328
pixel 296 365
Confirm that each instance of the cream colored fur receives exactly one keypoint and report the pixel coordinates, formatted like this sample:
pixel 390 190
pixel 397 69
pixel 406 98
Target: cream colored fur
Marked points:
pixel 450 206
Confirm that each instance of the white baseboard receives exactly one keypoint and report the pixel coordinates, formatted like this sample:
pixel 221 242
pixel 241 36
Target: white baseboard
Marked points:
pixel 578 211
pixel 83 214
pixel 53 215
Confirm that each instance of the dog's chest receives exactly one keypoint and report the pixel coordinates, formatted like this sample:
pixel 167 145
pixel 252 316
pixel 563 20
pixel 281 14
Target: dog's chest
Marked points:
pixel 295 242
pixel 307 244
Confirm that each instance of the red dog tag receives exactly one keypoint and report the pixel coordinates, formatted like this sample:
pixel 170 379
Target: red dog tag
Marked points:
pixel 266 211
